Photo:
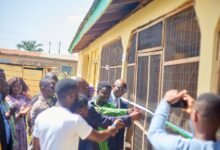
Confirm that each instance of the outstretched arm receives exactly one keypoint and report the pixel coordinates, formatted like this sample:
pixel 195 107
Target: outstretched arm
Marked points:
pixel 111 111
pixel 100 136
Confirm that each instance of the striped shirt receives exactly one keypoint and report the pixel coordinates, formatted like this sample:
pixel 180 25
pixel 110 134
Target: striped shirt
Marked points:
pixel 40 105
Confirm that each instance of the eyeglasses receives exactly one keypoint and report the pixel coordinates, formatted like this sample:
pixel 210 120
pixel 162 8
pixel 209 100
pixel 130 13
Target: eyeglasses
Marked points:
pixel 122 89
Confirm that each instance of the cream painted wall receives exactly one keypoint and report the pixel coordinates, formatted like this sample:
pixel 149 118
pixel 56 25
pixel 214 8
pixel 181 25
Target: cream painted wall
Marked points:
pixel 208 14
pixel 80 66
pixel 152 11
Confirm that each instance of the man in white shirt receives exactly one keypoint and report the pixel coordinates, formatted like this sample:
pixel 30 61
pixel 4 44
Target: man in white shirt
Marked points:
pixel 57 128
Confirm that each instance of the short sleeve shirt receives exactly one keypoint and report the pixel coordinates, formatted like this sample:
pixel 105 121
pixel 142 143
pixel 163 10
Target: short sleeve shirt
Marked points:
pixel 57 128
pixel 38 107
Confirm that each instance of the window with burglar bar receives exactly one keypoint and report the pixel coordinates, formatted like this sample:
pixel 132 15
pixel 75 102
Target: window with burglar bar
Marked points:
pixel 163 55
pixel 111 61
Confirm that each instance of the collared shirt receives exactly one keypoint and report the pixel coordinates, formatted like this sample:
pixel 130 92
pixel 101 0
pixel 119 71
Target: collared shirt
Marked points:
pixel 115 100
pixel 39 106
pixel 167 141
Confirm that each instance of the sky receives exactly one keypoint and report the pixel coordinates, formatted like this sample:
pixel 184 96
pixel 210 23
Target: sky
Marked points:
pixel 41 20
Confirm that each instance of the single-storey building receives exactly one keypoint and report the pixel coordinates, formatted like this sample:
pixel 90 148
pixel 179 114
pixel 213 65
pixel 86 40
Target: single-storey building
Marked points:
pixel 32 66
pixel 155 45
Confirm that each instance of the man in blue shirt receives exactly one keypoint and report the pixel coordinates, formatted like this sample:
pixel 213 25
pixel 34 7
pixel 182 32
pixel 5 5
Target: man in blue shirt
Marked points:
pixel 204 114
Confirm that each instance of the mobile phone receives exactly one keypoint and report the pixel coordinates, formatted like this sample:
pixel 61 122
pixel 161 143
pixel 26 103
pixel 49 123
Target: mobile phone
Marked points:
pixel 180 104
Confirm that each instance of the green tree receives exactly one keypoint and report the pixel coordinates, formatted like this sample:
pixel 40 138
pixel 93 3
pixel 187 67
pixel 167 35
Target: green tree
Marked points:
pixel 32 46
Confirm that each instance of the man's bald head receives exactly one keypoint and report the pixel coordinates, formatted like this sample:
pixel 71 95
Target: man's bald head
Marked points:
pixel 44 83
pixel 119 87
pixel 120 82
pixel 47 87
pixel 82 85
pixel 205 116
pixel 51 75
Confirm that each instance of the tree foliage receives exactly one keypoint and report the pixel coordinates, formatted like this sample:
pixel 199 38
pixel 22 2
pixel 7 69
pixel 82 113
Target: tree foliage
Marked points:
pixel 32 46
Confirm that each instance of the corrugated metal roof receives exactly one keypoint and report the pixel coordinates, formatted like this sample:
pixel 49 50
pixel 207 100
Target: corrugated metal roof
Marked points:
pixel 37 54
pixel 115 11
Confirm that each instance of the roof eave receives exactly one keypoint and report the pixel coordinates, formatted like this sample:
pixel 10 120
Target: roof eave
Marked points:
pixel 96 11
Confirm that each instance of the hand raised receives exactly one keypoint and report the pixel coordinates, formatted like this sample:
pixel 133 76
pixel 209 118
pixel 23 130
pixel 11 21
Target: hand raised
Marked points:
pixel 119 124
pixel 190 103
pixel 173 96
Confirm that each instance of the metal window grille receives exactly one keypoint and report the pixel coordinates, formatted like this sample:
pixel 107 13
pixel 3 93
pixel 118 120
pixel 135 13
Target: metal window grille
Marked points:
pixel 181 41
pixel 132 50
pixel 147 144
pixel 131 69
pixel 104 74
pixel 111 75
pixel 119 50
pixel 105 56
pixel 138 136
pixel 148 73
pixel 150 37
pixel 130 83
pixel 118 73
pixel 142 80
pixel 154 82
pixel 111 61
pixel 182 35
pixel 148 121
pixel 181 76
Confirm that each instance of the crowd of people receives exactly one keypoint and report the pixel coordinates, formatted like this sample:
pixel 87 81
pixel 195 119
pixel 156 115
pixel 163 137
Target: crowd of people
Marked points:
pixel 65 115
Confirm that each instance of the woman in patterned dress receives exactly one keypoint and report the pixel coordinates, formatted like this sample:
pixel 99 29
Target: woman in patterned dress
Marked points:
pixel 22 106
